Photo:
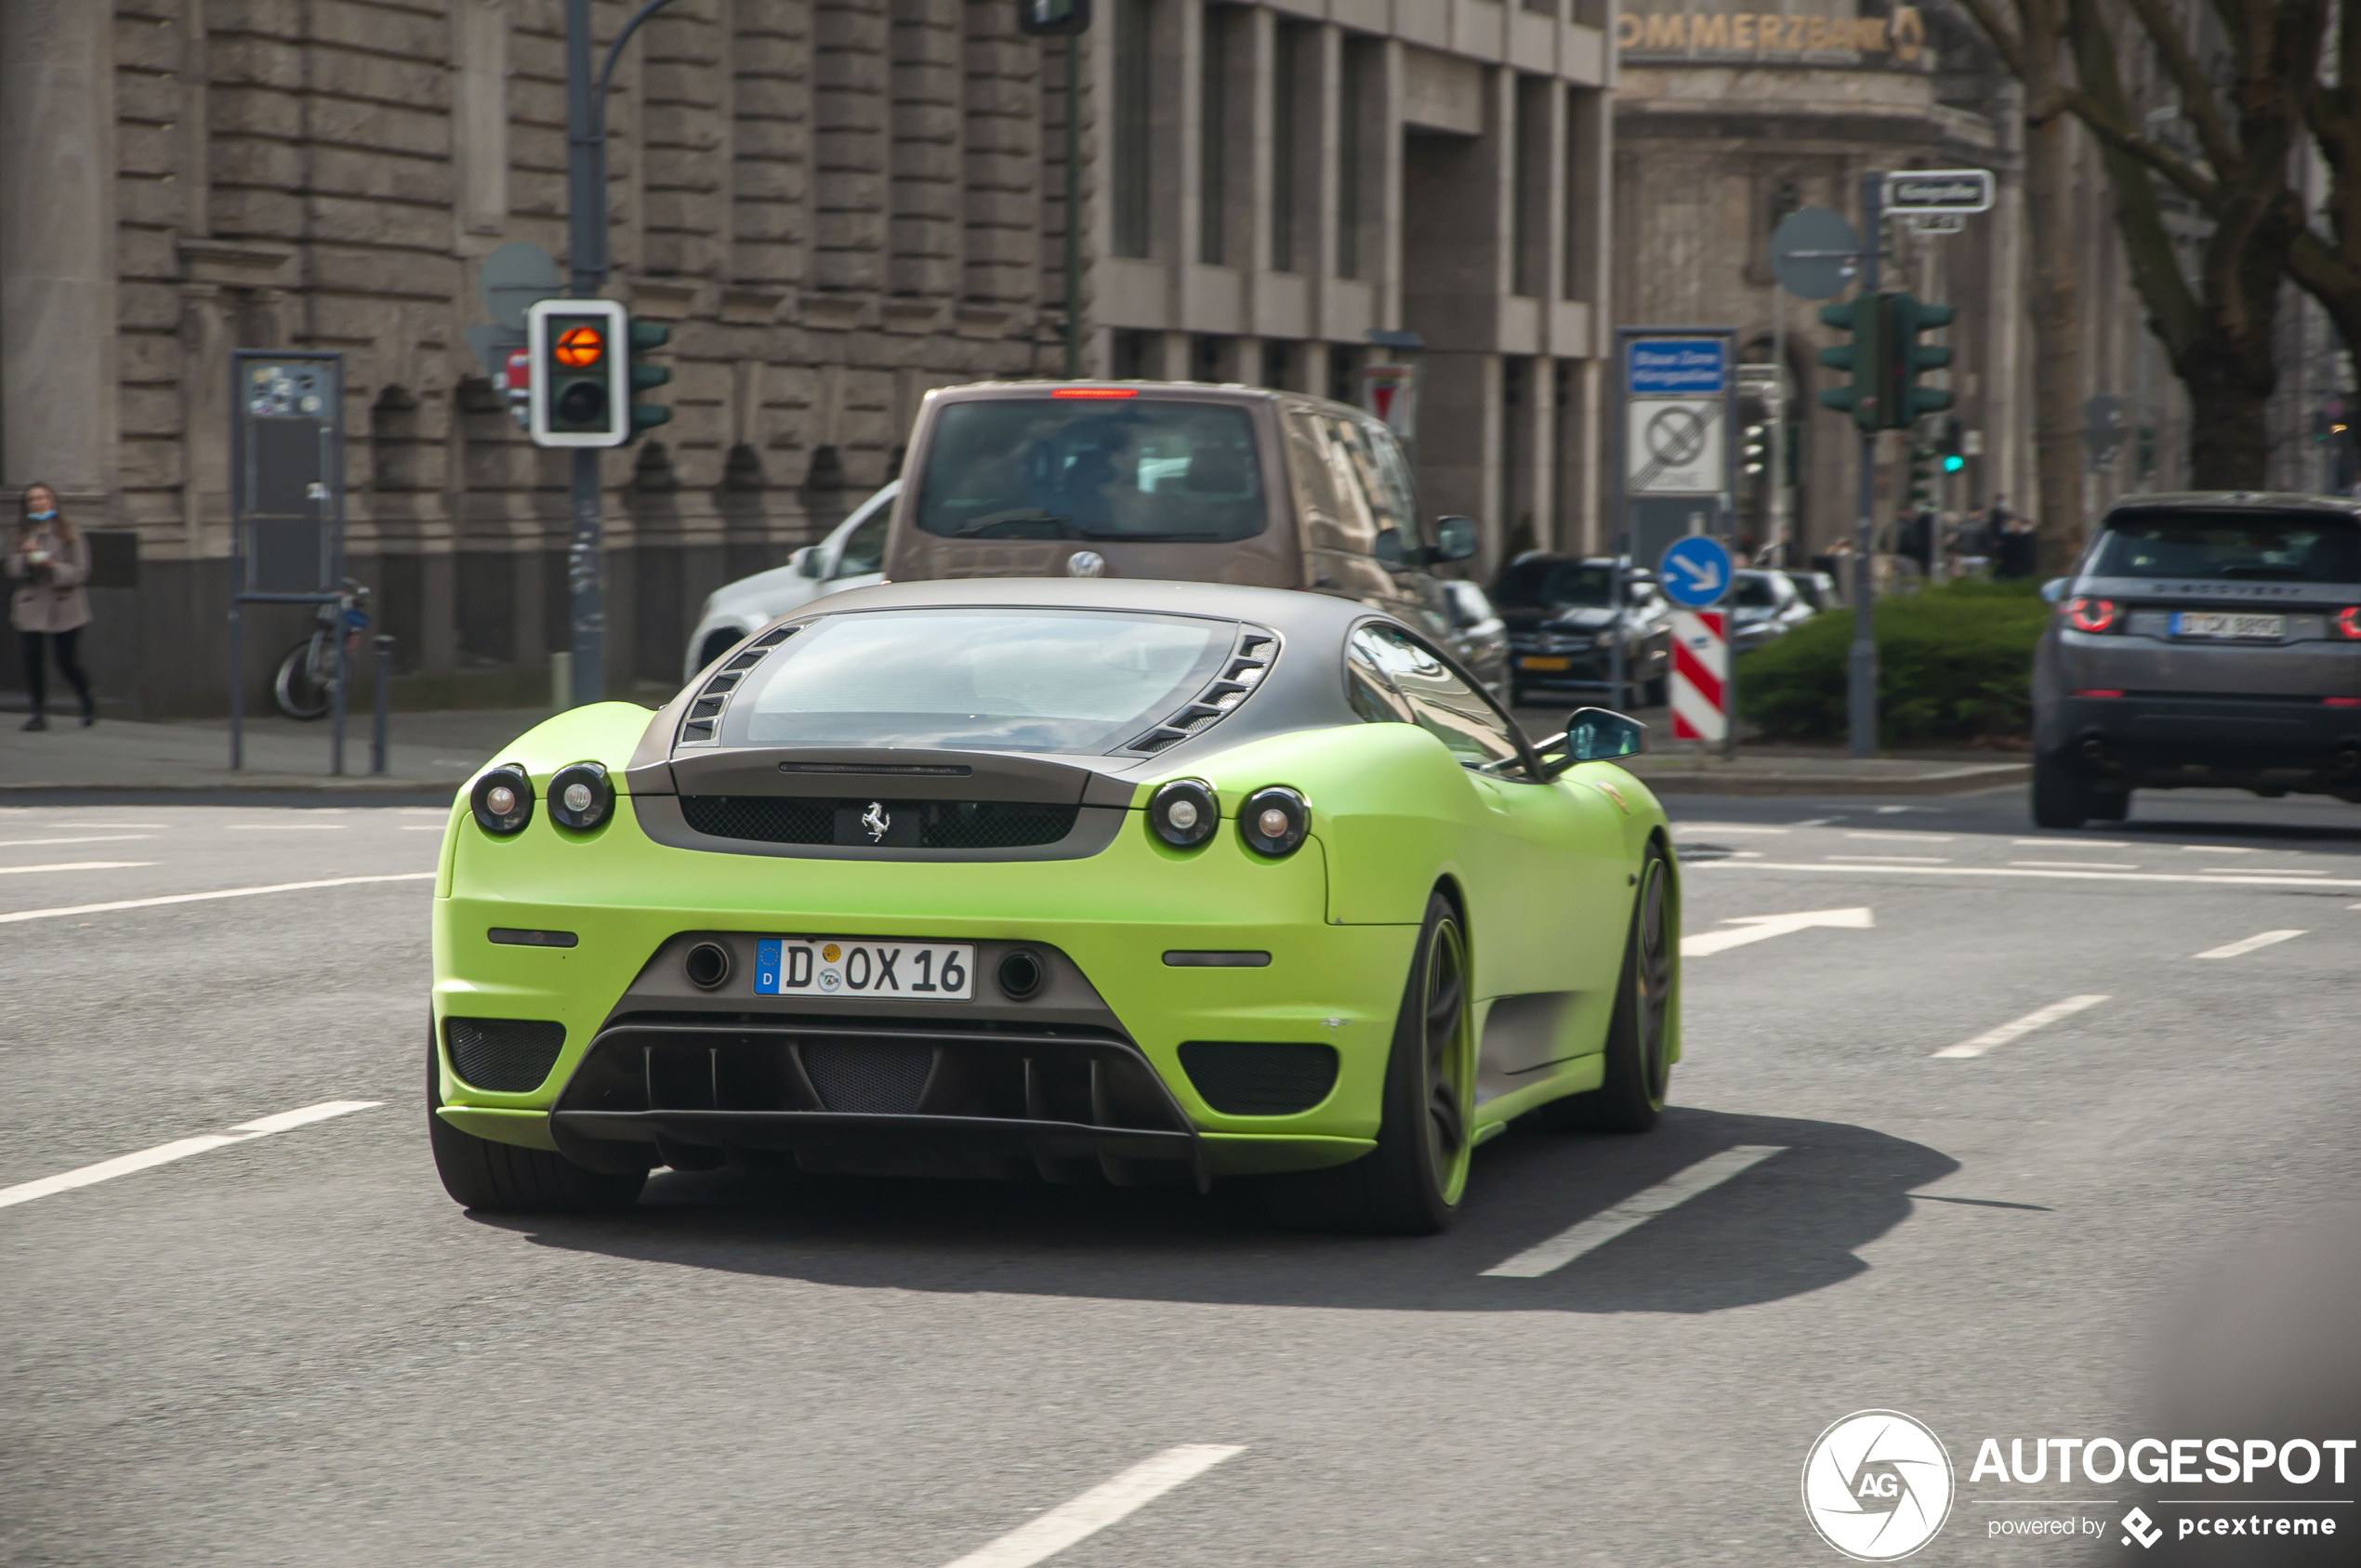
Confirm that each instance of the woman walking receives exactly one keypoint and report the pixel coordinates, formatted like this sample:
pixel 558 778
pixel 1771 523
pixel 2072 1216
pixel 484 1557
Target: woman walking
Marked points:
pixel 50 560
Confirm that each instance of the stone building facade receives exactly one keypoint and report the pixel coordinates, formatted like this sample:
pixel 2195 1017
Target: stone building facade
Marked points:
pixel 836 205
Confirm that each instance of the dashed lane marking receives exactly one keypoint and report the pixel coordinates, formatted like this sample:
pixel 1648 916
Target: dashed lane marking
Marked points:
pixel 2016 1029
pixel 1898 834
pixel 2247 944
pixel 2081 866
pixel 1588 1236
pixel 199 898
pixel 164 1154
pixel 2209 879
pixel 73 865
pixel 2078 843
pixel 1761 927
pixel 1723 827
pixel 1110 1502
pixel 1897 860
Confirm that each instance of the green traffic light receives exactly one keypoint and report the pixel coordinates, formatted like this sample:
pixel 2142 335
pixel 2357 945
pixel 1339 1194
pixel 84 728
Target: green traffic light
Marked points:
pixel 1953 463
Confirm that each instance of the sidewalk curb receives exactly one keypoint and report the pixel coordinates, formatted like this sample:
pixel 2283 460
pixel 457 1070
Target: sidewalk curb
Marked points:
pixel 1955 781
pixel 439 788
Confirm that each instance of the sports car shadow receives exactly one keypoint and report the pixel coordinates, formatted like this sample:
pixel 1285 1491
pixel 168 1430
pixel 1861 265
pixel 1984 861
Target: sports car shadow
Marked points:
pixel 1787 1225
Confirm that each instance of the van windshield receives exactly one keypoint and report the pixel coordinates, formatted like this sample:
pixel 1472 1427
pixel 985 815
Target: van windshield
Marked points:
pixel 1140 468
pixel 2231 546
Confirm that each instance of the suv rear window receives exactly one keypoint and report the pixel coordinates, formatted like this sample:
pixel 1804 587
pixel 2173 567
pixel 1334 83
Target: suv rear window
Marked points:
pixel 1140 468
pixel 1531 584
pixel 2230 546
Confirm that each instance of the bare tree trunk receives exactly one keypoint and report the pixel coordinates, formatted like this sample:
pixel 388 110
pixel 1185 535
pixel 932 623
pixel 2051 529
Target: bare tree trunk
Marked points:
pixel 2057 350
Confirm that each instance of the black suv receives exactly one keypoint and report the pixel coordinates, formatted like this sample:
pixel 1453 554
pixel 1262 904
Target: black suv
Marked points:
pixel 2206 640
pixel 1561 633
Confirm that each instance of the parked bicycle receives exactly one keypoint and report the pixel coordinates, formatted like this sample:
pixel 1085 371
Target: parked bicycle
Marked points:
pixel 306 684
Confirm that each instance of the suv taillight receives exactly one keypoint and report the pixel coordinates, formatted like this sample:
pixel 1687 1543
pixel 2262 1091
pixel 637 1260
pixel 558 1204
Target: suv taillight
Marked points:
pixel 2090 614
pixel 2349 622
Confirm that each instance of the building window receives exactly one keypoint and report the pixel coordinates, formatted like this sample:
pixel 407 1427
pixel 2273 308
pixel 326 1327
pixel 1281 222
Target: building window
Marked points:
pixel 1349 162
pixel 1529 204
pixel 1128 358
pixel 1283 146
pixel 1570 282
pixel 1213 140
pixel 1130 115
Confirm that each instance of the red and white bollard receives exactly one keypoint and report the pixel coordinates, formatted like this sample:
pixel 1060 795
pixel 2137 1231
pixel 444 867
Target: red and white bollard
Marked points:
pixel 1701 674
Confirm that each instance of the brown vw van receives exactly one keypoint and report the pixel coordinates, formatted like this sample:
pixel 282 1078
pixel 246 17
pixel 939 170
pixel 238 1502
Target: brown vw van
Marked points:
pixel 1171 479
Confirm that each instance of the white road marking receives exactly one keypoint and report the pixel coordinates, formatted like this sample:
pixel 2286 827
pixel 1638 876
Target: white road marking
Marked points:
pixel 2262 871
pixel 1107 1503
pixel 2081 866
pixel 2082 843
pixel 1897 860
pixel 1896 833
pixel 1761 927
pixel 1723 827
pixel 200 898
pixel 422 827
pixel 2040 1018
pixel 2210 880
pixel 72 865
pixel 1586 1235
pixel 164 1154
pixel 286 827
pixel 1813 821
pixel 2213 849
pixel 2240 948
pixel 93 838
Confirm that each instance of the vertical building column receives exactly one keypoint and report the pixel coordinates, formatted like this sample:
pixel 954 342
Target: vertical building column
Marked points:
pixel 1381 96
pixel 1253 135
pixel 58 411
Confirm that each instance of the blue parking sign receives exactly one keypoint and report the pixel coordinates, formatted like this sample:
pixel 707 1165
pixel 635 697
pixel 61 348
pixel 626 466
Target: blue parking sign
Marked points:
pixel 1696 572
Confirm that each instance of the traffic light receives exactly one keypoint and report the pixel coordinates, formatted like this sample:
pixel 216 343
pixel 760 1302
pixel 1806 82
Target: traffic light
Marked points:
pixel 581 376
pixel 1048 18
pixel 1922 489
pixel 1911 358
pixel 1756 448
pixel 1949 442
pixel 1862 317
pixel 643 336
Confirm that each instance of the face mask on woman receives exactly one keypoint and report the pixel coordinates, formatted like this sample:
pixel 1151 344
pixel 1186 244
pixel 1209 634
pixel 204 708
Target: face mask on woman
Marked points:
pixel 41 517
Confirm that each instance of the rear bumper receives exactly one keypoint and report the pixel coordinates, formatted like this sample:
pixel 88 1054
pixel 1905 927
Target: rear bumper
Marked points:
pixel 2152 739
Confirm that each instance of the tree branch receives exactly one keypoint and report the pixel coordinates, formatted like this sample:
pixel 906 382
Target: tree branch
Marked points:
pixel 2197 100
pixel 2003 41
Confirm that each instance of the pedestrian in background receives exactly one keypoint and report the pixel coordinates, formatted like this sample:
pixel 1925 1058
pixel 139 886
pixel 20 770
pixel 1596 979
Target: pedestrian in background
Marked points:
pixel 50 560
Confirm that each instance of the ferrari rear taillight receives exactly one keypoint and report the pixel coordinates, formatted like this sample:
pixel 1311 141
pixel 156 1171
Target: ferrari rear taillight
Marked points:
pixel 2090 614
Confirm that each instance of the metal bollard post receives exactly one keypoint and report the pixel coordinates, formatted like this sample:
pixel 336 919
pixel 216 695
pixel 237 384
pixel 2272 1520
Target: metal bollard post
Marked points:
pixel 383 701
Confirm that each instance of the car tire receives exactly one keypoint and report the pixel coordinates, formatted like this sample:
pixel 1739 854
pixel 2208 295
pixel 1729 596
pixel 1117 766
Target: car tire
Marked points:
pixel 1639 1070
pixel 2060 798
pixel 1411 1183
pixel 504 1179
pixel 2110 806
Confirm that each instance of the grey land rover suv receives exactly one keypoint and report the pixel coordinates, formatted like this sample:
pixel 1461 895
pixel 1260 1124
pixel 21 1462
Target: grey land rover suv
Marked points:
pixel 2204 640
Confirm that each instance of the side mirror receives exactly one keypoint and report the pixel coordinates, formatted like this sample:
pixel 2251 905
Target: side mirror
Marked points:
pixel 2053 590
pixel 1595 734
pixel 1386 548
pixel 806 562
pixel 1455 538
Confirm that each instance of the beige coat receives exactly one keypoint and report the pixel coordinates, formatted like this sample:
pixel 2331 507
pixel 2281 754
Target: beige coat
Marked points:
pixel 49 597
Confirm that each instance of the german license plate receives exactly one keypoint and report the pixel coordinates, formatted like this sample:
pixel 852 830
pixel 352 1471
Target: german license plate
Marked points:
pixel 2221 623
pixel 858 969
pixel 1533 661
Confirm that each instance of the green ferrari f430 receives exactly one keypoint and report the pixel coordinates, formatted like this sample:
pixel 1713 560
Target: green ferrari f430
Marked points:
pixel 1082 879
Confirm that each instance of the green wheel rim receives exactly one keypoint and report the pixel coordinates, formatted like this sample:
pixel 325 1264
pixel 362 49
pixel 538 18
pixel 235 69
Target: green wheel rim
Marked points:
pixel 1446 1061
pixel 1655 983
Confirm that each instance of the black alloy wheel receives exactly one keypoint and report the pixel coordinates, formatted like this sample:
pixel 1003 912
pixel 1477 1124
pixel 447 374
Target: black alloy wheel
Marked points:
pixel 1638 1066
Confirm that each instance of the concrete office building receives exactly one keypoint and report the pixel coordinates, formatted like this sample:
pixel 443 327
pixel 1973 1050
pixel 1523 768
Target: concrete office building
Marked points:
pixel 836 205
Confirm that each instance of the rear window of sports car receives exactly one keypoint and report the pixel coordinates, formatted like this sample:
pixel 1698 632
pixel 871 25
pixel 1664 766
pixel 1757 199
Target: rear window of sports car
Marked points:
pixel 1079 680
pixel 1137 469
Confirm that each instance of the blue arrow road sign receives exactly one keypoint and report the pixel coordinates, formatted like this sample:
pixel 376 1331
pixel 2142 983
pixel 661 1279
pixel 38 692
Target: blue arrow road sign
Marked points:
pixel 1696 572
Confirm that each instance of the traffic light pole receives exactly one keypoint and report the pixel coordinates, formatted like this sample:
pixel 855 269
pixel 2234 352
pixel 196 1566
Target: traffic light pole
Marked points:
pixel 1861 668
pixel 587 261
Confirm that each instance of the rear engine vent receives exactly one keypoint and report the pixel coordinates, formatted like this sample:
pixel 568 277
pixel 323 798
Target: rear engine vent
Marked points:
pixel 1249 661
pixel 704 719
pixel 878 1077
pixel 505 1055
pixel 942 825
pixel 1242 1079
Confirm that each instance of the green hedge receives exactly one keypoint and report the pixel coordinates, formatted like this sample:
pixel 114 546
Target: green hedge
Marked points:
pixel 1955 662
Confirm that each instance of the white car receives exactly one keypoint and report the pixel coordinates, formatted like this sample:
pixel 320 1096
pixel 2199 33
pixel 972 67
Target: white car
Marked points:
pixel 848 558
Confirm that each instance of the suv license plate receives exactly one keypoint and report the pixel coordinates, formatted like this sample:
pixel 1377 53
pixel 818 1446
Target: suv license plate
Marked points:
pixel 856 968
pixel 2217 623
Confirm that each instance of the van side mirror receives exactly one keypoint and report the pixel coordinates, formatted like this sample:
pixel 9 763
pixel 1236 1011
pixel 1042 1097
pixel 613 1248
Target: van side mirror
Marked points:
pixel 1597 735
pixel 1386 548
pixel 1455 538
pixel 806 562
pixel 2053 590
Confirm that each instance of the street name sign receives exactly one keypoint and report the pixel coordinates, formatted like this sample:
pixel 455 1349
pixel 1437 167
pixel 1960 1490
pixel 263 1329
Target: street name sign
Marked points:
pixel 1661 367
pixel 1938 190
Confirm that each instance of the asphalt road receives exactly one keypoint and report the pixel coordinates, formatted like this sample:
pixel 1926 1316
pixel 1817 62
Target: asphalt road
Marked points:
pixel 292 1348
